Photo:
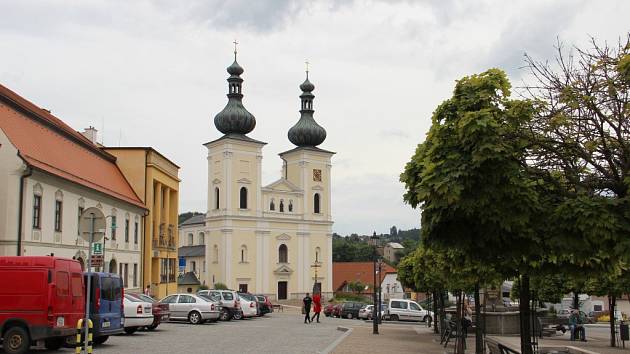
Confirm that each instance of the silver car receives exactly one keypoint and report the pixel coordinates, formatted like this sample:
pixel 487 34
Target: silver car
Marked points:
pixel 193 308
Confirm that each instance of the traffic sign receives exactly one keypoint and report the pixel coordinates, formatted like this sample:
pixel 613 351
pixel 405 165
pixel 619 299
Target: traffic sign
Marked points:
pixel 97 248
pixel 92 221
pixel 96 260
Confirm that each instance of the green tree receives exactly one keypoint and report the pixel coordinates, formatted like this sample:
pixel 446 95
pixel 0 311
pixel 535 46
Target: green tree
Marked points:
pixel 469 178
pixel 220 286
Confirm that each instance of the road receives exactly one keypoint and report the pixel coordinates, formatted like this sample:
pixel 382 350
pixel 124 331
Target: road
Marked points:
pixel 275 333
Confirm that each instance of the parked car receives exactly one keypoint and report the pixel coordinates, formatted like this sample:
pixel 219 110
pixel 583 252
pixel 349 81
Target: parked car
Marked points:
pixel 41 298
pixel 328 310
pixel 350 309
pixel 106 305
pixel 366 311
pixel 265 304
pixel 336 312
pixel 229 301
pixel 249 305
pixel 161 312
pixel 195 309
pixel 138 314
pixel 407 310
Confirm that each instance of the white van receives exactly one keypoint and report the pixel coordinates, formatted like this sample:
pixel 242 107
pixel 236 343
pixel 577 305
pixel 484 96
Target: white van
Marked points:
pixel 407 310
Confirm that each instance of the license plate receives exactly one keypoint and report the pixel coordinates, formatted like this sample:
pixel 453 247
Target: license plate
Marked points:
pixel 61 322
pixel 105 324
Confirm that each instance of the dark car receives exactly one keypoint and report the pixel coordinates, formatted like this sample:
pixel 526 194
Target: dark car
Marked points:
pixel 161 312
pixel 350 310
pixel 328 310
pixel 336 312
pixel 265 304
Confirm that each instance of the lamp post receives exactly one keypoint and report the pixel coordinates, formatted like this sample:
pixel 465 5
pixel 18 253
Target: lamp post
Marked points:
pixel 376 307
pixel 380 292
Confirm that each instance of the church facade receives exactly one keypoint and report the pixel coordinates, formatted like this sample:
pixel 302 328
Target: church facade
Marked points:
pixel 274 239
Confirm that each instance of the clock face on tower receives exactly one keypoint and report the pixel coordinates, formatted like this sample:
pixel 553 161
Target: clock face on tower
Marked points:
pixel 317 175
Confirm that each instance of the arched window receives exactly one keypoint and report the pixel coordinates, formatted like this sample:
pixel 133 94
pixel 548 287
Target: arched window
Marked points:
pixel 317 252
pixel 272 205
pixel 290 206
pixel 215 254
pixel 202 238
pixel 316 203
pixel 243 198
pixel 283 254
pixel 281 206
pixel 243 254
pixel 216 197
pixel 190 239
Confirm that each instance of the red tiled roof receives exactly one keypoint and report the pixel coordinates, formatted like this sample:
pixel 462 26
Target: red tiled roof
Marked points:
pixel 345 272
pixel 48 144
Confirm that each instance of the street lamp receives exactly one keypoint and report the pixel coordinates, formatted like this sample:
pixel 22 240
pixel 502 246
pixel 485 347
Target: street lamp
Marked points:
pixel 380 292
pixel 376 305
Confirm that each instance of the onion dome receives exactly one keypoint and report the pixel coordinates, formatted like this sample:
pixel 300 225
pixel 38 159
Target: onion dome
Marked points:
pixel 306 132
pixel 234 118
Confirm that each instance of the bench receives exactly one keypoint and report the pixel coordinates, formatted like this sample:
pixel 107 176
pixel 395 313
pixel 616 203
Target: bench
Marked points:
pixel 278 307
pixel 547 326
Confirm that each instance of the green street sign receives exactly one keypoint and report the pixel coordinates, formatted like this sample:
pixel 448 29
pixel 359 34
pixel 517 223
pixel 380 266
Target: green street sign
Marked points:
pixel 97 248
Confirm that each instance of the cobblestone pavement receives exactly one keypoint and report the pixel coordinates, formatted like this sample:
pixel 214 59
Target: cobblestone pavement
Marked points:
pixel 275 333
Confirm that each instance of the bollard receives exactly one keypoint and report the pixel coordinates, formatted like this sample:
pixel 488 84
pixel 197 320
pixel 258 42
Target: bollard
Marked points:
pixel 79 344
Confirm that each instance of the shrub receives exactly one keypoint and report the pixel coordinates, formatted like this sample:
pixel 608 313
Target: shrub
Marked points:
pixel 603 318
pixel 220 286
pixel 203 287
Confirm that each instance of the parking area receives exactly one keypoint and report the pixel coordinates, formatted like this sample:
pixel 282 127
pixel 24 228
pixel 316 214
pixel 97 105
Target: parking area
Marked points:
pixel 273 333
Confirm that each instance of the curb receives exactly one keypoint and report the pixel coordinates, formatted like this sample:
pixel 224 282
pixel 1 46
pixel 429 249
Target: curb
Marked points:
pixel 334 344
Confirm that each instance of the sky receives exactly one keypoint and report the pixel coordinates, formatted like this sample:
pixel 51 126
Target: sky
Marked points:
pixel 152 73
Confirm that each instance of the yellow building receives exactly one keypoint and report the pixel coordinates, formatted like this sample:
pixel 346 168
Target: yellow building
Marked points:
pixel 155 180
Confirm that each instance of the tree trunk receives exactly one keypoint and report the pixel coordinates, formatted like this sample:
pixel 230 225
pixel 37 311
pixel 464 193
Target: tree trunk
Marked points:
pixel 526 339
pixel 459 342
pixel 435 312
pixel 576 300
pixel 612 301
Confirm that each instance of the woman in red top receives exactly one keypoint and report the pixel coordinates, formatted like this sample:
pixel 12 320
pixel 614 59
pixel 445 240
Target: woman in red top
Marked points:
pixel 317 308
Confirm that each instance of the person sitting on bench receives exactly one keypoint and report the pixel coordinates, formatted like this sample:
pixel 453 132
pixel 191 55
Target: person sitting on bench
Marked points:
pixel 576 325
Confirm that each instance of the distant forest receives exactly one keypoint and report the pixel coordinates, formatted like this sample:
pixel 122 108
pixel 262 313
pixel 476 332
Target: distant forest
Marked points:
pixel 355 248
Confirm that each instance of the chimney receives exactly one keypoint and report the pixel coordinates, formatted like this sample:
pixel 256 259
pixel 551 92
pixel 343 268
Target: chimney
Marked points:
pixel 90 133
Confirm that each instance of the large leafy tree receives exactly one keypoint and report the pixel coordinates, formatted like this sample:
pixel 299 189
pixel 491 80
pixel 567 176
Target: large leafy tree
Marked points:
pixel 470 180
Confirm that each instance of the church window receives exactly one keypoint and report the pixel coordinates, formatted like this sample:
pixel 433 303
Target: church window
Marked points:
pixel 202 237
pixel 243 254
pixel 216 197
pixel 190 239
pixel 243 198
pixel 316 202
pixel 283 254
pixel 281 206
pixel 290 206
pixel 272 205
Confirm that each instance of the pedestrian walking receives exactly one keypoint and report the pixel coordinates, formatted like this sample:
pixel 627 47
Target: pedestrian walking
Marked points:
pixel 317 306
pixel 147 290
pixel 306 303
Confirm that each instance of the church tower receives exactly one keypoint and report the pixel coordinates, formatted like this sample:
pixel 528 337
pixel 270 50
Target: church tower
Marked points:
pixel 234 177
pixel 309 168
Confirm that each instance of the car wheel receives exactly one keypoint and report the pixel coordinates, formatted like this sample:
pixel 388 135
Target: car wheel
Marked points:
pixel 152 327
pixel 16 341
pixel 225 315
pixel 54 343
pixel 394 317
pixel 238 315
pixel 349 316
pixel 100 340
pixel 194 317
pixel 131 330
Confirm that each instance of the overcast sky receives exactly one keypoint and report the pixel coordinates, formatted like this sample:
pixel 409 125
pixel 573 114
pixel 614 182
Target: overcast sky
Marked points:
pixel 152 73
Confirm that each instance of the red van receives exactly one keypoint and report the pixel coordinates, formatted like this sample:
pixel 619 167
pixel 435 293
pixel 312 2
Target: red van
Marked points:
pixel 41 299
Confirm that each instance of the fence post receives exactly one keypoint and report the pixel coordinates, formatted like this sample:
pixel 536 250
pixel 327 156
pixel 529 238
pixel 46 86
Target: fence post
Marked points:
pixel 79 343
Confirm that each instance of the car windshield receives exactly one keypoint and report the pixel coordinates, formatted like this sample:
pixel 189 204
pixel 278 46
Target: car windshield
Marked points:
pixel 144 297
pixel 228 296
pixel 247 297
pixel 132 298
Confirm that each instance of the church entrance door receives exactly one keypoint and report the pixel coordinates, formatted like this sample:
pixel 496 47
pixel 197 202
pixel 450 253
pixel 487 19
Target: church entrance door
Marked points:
pixel 282 290
pixel 242 288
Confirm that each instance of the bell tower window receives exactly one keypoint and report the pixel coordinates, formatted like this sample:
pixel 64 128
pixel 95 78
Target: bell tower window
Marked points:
pixel 316 203
pixel 243 198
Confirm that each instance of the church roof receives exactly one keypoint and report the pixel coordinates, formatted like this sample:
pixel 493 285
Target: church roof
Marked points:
pixel 292 187
pixel 48 144
pixel 194 220
pixel 395 245
pixel 192 251
pixel 306 132
pixel 188 278
pixel 240 137
pixel 307 148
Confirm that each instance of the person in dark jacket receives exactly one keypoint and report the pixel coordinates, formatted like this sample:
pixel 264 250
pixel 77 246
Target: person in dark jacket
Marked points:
pixel 307 301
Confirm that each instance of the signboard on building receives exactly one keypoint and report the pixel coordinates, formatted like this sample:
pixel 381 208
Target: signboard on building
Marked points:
pixel 96 260
pixel 97 248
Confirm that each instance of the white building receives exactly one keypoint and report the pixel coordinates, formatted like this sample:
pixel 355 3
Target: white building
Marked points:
pixel 391 288
pixel 49 174
pixel 390 251
pixel 274 239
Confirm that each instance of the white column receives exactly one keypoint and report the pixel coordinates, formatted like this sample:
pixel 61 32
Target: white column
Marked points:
pixel 210 191
pixel 307 193
pixel 267 268
pixel 259 201
pixel 228 183
pixel 227 256
pixel 259 262
pixel 299 269
pixel 329 269
pixel 328 194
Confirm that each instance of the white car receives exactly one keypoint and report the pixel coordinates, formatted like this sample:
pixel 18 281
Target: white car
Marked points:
pixel 193 308
pixel 365 313
pixel 249 305
pixel 138 314
pixel 407 310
